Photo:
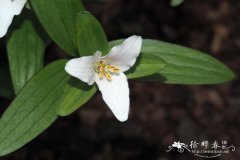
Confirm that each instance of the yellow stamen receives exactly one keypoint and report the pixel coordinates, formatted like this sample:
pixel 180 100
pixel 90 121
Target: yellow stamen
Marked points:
pixel 100 74
pixel 105 70
pixel 108 75
pixel 113 69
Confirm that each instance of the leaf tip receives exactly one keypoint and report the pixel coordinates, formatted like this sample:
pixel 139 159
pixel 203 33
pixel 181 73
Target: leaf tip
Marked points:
pixel 230 75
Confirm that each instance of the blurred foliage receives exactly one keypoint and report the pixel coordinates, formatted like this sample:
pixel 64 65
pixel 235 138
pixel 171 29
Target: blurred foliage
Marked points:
pixel 175 3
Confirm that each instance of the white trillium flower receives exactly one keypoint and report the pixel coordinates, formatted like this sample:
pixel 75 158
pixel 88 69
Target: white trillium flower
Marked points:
pixel 8 9
pixel 107 72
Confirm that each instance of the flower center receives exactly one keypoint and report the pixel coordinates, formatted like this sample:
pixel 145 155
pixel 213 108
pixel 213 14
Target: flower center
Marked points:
pixel 105 70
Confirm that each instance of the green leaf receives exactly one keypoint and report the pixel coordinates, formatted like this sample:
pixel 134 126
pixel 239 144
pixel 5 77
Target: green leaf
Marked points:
pixel 175 3
pixel 90 35
pixel 58 19
pixel 25 48
pixel 76 94
pixel 146 65
pixel 34 109
pixel 184 65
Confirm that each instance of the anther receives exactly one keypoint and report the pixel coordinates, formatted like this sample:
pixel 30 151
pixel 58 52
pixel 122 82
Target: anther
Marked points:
pixel 104 70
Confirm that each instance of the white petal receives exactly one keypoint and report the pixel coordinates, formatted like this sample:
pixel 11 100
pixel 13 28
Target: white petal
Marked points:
pixel 116 94
pixel 83 68
pixel 8 9
pixel 124 55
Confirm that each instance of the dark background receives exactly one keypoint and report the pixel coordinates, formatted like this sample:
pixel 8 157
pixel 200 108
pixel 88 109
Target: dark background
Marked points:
pixel 160 113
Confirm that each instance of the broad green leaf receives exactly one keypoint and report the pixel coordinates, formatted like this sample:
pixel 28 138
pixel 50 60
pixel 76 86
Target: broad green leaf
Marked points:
pixel 90 35
pixel 25 48
pixel 145 65
pixel 184 65
pixel 34 109
pixel 175 3
pixel 58 19
pixel 76 94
